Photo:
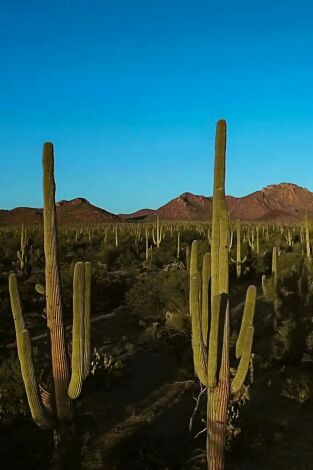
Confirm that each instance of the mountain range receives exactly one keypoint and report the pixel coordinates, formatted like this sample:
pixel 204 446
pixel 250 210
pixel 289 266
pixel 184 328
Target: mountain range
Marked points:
pixel 284 202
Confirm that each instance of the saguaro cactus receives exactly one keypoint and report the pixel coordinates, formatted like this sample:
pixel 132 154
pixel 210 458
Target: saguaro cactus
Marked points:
pixel 211 362
pixel 55 410
pixel 307 238
pixel 239 262
pixel 23 253
pixel 178 244
pixel 159 234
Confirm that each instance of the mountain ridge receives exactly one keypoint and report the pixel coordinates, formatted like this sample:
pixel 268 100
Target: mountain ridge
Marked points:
pixel 285 202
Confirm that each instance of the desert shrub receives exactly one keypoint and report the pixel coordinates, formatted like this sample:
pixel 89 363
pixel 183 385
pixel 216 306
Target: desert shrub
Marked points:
pixel 309 341
pixel 126 259
pixel 161 256
pixel 146 297
pixel 152 296
pixel 261 264
pixel 103 362
pixel 283 339
pixel 176 291
pixel 108 289
pixel 289 265
pixel 108 256
pixel 105 369
pixel 298 388
pixel 13 401
pixel 23 444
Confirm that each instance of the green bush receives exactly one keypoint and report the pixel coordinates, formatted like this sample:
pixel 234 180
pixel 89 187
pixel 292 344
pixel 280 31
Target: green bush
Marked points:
pixel 159 292
pixel 283 339
pixel 13 400
pixel 146 297
pixel 298 388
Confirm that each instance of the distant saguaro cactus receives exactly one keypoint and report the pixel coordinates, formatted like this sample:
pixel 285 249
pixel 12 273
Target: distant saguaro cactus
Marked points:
pixel 238 261
pixel 24 252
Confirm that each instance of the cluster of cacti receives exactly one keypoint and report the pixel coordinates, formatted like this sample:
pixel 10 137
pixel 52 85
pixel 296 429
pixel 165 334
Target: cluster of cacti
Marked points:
pixel 210 318
pixel 54 409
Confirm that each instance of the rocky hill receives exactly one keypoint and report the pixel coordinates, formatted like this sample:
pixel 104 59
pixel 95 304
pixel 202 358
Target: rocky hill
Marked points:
pixel 278 202
pixel 75 212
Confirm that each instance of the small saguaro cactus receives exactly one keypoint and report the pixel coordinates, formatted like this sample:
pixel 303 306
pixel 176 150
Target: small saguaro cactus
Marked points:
pixel 210 320
pixel 24 252
pixel 307 238
pixel 158 237
pixel 147 244
pixel 178 244
pixel 55 409
pixel 239 262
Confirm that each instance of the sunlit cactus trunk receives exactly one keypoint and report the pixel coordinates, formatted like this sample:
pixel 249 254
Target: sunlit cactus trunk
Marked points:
pixel 66 438
pixel 217 405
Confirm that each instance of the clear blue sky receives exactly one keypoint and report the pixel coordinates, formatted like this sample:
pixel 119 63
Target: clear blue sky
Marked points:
pixel 129 91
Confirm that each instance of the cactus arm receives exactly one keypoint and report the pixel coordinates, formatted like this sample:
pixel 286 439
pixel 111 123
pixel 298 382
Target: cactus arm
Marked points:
pixel 16 306
pixel 243 366
pixel 20 258
pixel 35 403
pixel 223 272
pixel 36 406
pixel 206 274
pixel 194 257
pixel 76 381
pixel 198 348
pixel 247 319
pixel 193 264
pixel 213 340
pixel 87 349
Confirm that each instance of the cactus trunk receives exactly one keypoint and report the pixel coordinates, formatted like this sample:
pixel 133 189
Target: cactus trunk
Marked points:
pixel 217 405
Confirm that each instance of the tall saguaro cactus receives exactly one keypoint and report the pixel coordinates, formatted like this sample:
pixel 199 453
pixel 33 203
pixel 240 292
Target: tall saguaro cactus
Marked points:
pixel 210 343
pixel 55 410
